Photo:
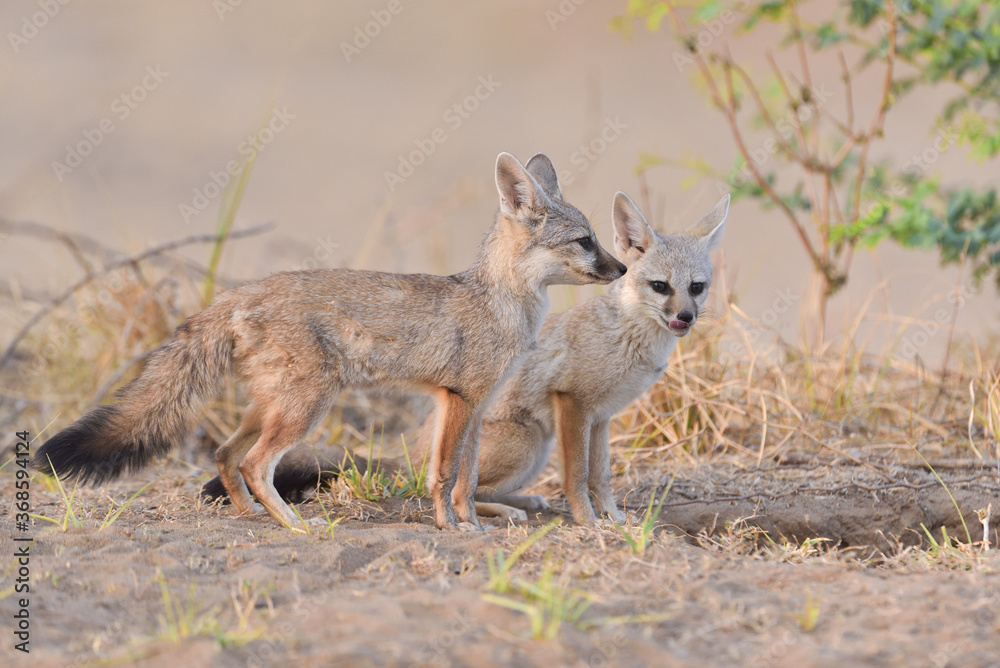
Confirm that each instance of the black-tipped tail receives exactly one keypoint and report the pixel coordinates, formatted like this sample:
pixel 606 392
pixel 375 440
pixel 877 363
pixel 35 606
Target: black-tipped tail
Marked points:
pixel 153 412
pixel 213 489
pixel 96 449
pixel 295 483
pixel 299 473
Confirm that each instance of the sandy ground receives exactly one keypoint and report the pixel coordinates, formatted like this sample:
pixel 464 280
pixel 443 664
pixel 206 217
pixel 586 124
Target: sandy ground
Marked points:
pixel 172 581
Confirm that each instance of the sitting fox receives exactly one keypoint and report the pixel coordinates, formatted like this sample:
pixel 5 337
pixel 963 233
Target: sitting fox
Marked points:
pixel 297 339
pixel 590 363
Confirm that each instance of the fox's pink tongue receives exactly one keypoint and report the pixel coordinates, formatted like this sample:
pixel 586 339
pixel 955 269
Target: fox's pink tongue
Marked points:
pixel 679 325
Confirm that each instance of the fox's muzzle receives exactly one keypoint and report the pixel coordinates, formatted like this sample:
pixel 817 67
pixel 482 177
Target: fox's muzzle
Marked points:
pixel 610 269
pixel 682 323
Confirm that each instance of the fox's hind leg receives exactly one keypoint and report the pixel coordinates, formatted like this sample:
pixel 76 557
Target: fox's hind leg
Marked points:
pixel 501 510
pixel 527 502
pixel 511 455
pixel 510 506
pixel 282 427
pixel 231 453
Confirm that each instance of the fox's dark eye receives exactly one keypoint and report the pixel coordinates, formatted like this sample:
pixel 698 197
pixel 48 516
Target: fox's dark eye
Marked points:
pixel 660 286
pixel 697 288
pixel 586 243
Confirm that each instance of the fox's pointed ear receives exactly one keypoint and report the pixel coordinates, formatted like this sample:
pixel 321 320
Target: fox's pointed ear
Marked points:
pixel 545 173
pixel 713 226
pixel 633 235
pixel 519 191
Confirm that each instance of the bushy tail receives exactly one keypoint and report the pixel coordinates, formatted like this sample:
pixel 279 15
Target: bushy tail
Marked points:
pixel 300 471
pixel 152 413
pixel 304 470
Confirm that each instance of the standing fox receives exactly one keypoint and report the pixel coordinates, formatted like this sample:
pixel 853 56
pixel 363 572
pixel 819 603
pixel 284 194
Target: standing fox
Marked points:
pixel 297 338
pixel 591 362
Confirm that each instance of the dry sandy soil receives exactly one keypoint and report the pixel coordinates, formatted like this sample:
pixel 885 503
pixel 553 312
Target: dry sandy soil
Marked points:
pixel 729 578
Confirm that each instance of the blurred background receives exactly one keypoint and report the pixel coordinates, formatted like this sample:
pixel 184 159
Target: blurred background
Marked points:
pixel 377 125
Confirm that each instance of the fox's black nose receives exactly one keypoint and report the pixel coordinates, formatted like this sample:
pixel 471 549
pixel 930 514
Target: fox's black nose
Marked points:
pixel 621 269
pixel 685 316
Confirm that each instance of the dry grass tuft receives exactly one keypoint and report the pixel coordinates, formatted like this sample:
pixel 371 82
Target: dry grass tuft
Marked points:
pixel 746 400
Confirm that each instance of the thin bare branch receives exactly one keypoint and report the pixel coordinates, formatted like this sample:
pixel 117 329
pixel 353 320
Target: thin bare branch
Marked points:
pixel 794 105
pixel 883 106
pixel 843 152
pixel 834 203
pixel 800 43
pixel 819 262
pixel 79 242
pixel 76 243
pixel 788 149
pixel 848 92
pixel 8 353
pixel 730 113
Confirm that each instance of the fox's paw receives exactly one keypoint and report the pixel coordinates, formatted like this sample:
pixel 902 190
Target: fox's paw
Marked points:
pixel 508 513
pixel 617 516
pixel 320 522
pixel 535 502
pixel 468 526
pixel 254 509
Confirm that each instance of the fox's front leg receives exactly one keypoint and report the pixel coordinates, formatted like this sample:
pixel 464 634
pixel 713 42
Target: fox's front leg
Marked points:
pixel 599 479
pixel 464 495
pixel 573 434
pixel 453 415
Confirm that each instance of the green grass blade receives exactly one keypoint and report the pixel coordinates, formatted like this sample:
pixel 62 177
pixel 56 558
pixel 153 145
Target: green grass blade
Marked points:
pixel 968 534
pixel 108 521
pixel 224 223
